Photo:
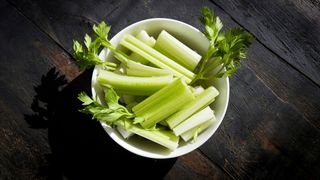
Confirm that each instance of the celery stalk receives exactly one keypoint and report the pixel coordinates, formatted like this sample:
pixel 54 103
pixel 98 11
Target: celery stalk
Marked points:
pixel 150 41
pixel 193 121
pixel 124 132
pixel 172 47
pixel 133 85
pixel 196 130
pixel 165 105
pixel 144 37
pixel 159 56
pixel 137 69
pixel 202 100
pixel 197 90
pixel 163 137
pixel 152 59
pixel 155 98
pixel 155 54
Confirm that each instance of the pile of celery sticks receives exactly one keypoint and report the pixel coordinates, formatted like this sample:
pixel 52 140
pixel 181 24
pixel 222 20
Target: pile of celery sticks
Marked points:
pixel 155 90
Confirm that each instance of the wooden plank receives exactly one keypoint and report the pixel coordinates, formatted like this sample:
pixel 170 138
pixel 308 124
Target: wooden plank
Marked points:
pixel 289 28
pixel 288 85
pixel 286 151
pixel 23 150
pixel 195 166
pixel 275 73
pixel 262 137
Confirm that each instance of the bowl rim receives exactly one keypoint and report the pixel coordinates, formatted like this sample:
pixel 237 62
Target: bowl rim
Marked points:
pixel 121 141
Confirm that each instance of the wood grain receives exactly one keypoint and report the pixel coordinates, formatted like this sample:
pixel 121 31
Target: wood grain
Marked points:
pixel 262 137
pixel 22 149
pixel 277 74
pixel 195 166
pixel 289 28
pixel 271 130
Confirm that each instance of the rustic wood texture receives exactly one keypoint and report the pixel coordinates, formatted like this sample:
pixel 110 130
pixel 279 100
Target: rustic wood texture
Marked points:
pixel 289 28
pixel 271 129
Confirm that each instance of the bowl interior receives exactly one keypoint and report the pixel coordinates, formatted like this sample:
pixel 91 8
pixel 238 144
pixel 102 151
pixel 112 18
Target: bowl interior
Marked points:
pixel 197 41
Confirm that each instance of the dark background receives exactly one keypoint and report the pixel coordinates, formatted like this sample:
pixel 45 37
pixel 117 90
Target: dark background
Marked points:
pixel 271 129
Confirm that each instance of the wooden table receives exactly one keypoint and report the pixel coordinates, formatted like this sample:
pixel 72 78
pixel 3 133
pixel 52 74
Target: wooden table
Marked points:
pixel 271 129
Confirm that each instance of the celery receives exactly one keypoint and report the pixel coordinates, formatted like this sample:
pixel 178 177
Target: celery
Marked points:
pixel 156 97
pixel 124 132
pixel 133 85
pixel 172 47
pixel 197 90
pixel 131 39
pixel 163 137
pixel 156 57
pixel 161 105
pixel 196 130
pixel 196 119
pixel 150 41
pixel 137 69
pixel 202 100
pixel 144 37
pixel 153 60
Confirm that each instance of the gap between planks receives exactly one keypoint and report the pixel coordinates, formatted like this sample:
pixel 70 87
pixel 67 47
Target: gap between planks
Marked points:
pixel 264 45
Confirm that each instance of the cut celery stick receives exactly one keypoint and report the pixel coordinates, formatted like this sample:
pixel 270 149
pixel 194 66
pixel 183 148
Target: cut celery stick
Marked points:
pixel 133 85
pixel 137 69
pixel 197 90
pixel 131 39
pixel 152 59
pixel 201 101
pixel 163 137
pixel 193 121
pixel 136 57
pixel 165 105
pixel 150 41
pixel 155 98
pixel 144 37
pixel 124 133
pixel 169 45
pixel 190 134
pixel 155 57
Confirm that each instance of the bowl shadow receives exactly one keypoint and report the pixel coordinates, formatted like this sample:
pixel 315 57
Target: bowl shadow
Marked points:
pixel 81 149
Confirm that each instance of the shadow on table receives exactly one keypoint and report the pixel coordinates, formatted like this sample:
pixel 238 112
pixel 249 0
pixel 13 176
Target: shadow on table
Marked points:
pixel 80 147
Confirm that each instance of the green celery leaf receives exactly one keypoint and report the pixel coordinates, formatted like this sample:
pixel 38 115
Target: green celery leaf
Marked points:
pixel 109 113
pixel 82 96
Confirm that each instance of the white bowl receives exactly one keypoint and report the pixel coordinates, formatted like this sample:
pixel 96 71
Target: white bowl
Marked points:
pixel 197 41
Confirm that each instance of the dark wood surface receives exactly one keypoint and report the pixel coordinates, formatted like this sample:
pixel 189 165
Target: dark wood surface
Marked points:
pixel 271 129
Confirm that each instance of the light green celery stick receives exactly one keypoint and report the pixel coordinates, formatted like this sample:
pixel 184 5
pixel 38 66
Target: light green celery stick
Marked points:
pixel 144 37
pixel 193 121
pixel 202 100
pixel 133 85
pixel 155 98
pixel 166 105
pixel 137 69
pixel 124 132
pixel 163 137
pixel 197 130
pixel 133 68
pixel 150 41
pixel 172 47
pixel 152 59
pixel 160 57
pixel 136 57
pixel 197 90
